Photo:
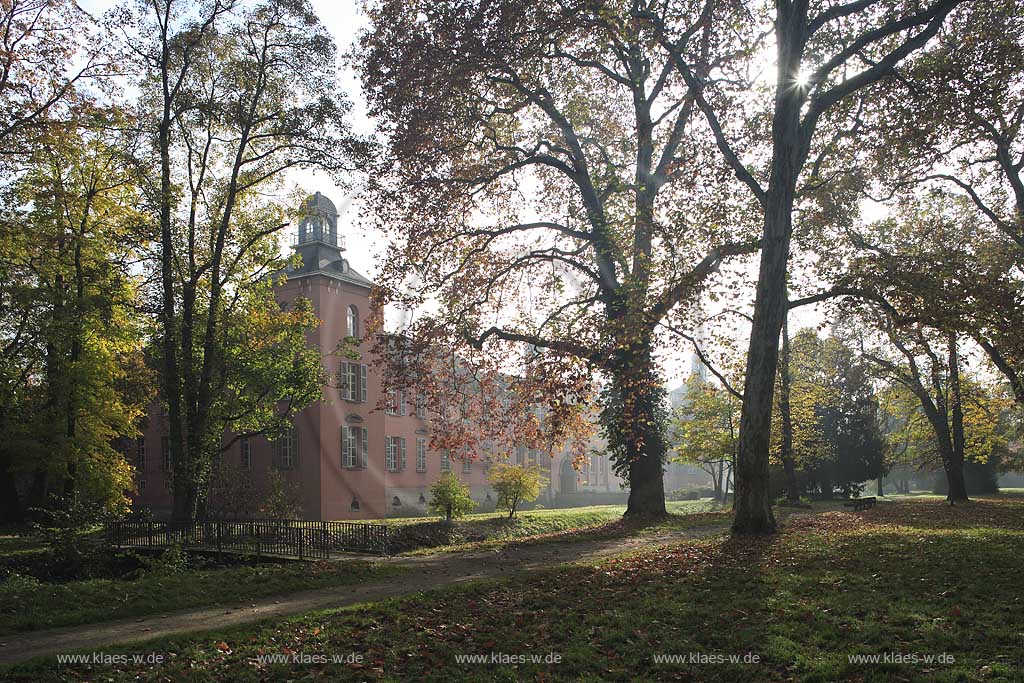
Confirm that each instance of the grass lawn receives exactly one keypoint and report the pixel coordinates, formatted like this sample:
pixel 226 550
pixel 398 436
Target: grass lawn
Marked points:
pixel 418 535
pixel 26 604
pixel 904 580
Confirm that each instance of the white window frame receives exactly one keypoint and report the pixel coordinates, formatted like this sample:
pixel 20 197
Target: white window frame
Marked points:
pixel 352 321
pixel 348 387
pixel 287 448
pixel 421 455
pixel 446 462
pixel 390 453
pixel 354 447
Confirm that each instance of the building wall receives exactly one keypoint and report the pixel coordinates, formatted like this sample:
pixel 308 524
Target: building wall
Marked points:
pixel 328 489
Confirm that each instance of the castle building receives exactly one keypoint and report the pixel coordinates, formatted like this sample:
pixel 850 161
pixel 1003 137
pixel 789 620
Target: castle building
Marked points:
pixel 345 456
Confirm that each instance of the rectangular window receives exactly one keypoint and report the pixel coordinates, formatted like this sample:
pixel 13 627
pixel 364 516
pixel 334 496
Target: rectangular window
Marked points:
pixel 394 453
pixel 467 465
pixel 421 455
pixel 287 446
pixel 446 462
pixel 347 382
pixel 392 405
pixel 396 402
pixel 533 457
pixel 165 451
pixel 352 382
pixel 245 449
pixel 353 444
pixel 593 464
pixel 421 405
pixel 140 454
pixel 391 453
pixel 521 455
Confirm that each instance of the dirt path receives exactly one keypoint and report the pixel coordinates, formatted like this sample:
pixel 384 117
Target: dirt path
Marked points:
pixel 426 572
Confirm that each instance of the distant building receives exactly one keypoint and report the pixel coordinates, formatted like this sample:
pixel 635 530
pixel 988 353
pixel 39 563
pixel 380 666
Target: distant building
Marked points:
pixel 348 458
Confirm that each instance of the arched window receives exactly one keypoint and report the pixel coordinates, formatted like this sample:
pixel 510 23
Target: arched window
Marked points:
pixel 396 501
pixel 353 321
pixel 354 507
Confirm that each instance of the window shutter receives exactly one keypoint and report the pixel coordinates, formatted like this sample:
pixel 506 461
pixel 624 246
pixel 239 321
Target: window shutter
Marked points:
pixel 362 384
pixel 401 442
pixel 365 447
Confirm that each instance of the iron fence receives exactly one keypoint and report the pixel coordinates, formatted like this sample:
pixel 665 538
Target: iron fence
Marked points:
pixel 281 537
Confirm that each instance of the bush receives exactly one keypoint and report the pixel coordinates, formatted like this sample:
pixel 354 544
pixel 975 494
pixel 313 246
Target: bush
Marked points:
pixel 691 493
pixel 515 484
pixel 450 497
pixel 174 560
pixel 283 499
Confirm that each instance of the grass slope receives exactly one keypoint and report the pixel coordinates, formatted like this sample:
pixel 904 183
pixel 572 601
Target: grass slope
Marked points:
pixel 27 605
pixel 418 535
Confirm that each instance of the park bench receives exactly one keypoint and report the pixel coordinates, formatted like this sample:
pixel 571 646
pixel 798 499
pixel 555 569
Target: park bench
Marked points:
pixel 859 504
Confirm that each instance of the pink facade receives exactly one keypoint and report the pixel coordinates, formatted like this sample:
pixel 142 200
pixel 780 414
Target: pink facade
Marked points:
pixel 338 476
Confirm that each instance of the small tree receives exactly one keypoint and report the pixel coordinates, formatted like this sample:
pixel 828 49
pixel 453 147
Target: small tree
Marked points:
pixel 282 498
pixel 515 484
pixel 450 496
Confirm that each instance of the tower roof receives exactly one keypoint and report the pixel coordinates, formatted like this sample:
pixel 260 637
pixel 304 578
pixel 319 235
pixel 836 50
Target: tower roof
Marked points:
pixel 318 204
pixel 319 243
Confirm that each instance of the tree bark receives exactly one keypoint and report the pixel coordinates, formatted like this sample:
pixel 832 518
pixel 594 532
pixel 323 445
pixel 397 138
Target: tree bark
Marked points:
pixel 11 511
pixel 955 469
pixel 753 498
pixel 641 424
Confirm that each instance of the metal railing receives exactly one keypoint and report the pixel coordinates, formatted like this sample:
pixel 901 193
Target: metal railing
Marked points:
pixel 279 537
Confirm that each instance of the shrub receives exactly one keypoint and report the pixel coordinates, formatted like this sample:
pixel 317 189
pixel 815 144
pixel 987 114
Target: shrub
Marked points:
pixel 515 484
pixel 283 499
pixel 450 497
pixel 174 560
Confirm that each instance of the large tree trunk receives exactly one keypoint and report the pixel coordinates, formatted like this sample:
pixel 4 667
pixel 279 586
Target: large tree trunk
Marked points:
pixel 955 468
pixel 10 502
pixel 753 498
pixel 642 429
pixel 719 493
